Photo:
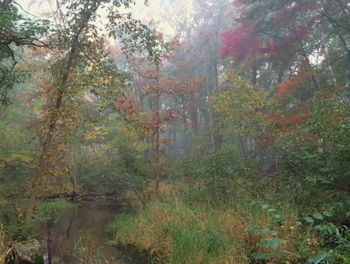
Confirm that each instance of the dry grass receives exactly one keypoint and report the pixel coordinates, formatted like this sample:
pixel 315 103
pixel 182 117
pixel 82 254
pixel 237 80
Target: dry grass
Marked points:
pixel 2 245
pixel 200 233
pixel 180 234
pixel 87 252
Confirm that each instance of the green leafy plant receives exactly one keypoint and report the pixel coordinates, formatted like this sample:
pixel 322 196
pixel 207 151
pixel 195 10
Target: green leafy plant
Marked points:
pixel 267 243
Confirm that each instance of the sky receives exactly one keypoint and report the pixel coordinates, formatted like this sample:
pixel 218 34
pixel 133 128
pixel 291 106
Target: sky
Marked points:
pixel 160 11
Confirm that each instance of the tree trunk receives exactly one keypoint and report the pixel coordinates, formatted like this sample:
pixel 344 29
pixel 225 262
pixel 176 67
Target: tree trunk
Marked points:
pixel 43 164
pixel 347 50
pixel 254 75
pixel 157 135
pixel 48 241
pixel 185 125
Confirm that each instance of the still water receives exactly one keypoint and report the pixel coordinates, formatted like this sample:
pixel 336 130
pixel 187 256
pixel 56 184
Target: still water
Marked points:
pixel 80 235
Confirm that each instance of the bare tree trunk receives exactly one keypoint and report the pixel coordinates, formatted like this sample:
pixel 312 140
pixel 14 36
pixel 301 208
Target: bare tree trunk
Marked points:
pixel 194 117
pixel 347 49
pixel 74 182
pixel 157 136
pixel 185 125
pixel 216 127
pixel 211 128
pixel 254 74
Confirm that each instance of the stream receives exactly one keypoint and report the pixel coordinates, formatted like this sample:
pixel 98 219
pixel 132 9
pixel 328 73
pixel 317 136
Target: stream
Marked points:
pixel 80 235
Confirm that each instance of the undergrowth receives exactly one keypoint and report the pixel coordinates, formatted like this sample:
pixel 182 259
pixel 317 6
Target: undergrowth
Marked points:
pixel 180 232
pixel 181 228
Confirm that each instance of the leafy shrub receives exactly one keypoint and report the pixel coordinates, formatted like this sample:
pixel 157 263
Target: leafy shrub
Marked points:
pixel 336 239
pixel 120 170
pixel 331 242
pixel 12 221
pixel 219 170
pixel 316 149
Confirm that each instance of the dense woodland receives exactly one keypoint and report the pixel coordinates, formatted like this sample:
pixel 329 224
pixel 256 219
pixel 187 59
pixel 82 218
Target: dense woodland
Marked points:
pixel 227 133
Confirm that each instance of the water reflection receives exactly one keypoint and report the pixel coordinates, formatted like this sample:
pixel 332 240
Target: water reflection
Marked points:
pixel 80 236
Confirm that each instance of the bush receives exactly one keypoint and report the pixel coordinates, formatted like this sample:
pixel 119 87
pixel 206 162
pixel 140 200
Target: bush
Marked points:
pixel 219 170
pixel 316 150
pixel 118 169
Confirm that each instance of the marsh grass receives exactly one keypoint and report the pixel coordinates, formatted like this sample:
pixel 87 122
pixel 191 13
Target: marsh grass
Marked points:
pixel 2 245
pixel 88 253
pixel 181 231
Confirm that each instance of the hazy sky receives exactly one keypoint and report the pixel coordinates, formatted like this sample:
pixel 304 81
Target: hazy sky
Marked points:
pixel 163 12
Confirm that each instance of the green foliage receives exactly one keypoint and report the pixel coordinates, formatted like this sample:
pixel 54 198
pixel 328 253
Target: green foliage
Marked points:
pixel 242 109
pixel 19 232
pixel 13 218
pixel 16 163
pixel 334 241
pixel 15 31
pixel 270 210
pixel 317 259
pixel 219 170
pixel 117 165
pixel 268 245
pixel 324 157
pixel 315 151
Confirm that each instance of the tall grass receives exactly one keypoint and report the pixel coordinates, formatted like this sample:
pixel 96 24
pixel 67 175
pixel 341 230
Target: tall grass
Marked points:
pixel 2 245
pixel 88 253
pixel 176 231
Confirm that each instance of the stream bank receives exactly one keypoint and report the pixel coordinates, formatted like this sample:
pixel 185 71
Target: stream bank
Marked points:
pixel 80 235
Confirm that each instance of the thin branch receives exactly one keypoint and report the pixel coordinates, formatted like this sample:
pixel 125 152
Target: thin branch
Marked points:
pixel 335 22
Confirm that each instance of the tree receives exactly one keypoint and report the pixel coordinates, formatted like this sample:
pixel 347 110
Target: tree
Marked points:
pixel 151 122
pixel 16 32
pixel 284 35
pixel 80 63
pixel 294 48
pixel 243 110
